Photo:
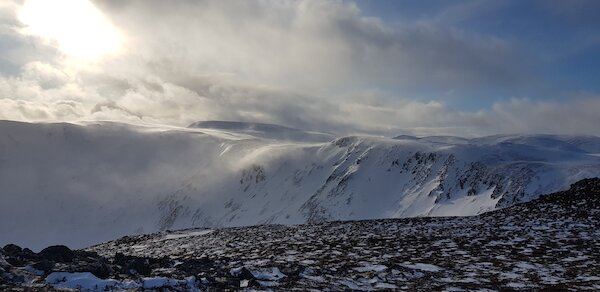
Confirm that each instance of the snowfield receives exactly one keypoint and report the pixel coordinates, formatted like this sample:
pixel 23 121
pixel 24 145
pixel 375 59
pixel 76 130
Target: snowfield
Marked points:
pixel 80 184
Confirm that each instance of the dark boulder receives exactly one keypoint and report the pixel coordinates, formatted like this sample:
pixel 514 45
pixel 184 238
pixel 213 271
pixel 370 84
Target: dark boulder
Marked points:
pixel 101 270
pixel 86 254
pixel 15 261
pixel 140 266
pixel 133 265
pixel 29 254
pixel 57 253
pixel 12 250
pixel 292 270
pixel 196 266
pixel 119 259
pixel 44 265
pixel 242 274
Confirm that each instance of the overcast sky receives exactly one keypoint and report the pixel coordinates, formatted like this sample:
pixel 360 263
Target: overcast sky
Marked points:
pixel 368 66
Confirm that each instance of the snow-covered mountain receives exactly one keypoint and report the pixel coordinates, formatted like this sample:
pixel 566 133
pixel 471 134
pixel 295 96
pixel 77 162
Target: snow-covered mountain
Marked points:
pixel 91 182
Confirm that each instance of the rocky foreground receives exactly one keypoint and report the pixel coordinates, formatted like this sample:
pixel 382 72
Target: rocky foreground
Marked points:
pixel 552 243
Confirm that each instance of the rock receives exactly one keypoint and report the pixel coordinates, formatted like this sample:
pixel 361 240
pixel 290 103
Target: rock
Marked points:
pixel 133 265
pixel 141 266
pixel 101 270
pixel 29 254
pixel 16 278
pixel 242 273
pixel 246 283
pixel 12 250
pixel 57 253
pixel 15 261
pixel 292 270
pixel 85 254
pixel 3 263
pixel 244 277
pixel 44 265
pixel 195 266
pixel 119 258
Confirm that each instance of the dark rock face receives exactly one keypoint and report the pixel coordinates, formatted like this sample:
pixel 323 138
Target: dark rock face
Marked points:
pixel 547 244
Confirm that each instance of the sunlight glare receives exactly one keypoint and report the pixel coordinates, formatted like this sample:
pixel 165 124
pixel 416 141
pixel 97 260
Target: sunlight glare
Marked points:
pixel 78 28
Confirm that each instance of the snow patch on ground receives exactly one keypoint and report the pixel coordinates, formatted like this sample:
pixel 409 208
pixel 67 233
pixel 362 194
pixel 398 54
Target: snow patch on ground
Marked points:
pixel 88 282
pixel 371 268
pixel 423 267
pixel 272 274
pixel 187 234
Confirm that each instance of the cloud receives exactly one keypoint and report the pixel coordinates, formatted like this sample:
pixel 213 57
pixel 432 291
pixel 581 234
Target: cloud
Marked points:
pixel 577 116
pixel 317 65
pixel 310 45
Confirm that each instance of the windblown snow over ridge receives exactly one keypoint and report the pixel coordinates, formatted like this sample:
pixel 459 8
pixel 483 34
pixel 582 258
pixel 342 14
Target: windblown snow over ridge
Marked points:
pixel 264 131
pixel 83 184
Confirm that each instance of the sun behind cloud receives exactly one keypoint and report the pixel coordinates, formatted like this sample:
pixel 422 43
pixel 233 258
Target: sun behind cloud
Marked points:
pixel 76 27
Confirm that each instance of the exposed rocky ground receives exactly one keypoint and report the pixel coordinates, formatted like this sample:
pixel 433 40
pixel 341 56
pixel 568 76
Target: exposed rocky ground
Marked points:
pixel 551 243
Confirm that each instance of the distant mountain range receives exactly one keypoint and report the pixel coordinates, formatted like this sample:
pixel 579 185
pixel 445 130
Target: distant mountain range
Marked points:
pixel 85 183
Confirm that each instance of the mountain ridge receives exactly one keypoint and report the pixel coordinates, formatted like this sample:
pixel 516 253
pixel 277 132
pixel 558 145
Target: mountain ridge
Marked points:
pixel 98 181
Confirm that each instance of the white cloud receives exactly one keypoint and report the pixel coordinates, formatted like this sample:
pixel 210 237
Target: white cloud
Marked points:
pixel 316 46
pixel 310 64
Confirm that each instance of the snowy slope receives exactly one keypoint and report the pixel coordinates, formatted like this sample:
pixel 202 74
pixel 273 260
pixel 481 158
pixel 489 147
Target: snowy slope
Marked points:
pixel 82 184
